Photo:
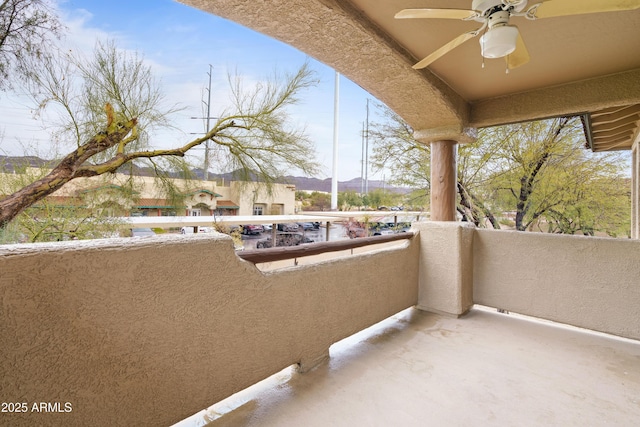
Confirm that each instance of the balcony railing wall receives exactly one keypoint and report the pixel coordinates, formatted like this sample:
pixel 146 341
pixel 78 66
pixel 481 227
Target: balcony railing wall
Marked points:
pixel 589 282
pixel 148 332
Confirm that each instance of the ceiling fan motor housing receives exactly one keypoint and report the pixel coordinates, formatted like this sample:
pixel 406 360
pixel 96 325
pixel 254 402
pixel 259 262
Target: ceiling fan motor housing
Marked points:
pixel 497 19
pixel 485 7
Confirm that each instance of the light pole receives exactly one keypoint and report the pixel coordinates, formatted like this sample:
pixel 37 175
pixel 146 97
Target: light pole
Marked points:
pixel 334 179
pixel 206 144
pixel 207 127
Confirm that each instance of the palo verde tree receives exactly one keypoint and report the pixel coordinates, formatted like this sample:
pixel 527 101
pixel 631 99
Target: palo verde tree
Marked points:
pixel 394 146
pixel 27 28
pixel 554 183
pixel 405 158
pixel 110 105
pixel 596 201
pixel 477 167
pixel 532 153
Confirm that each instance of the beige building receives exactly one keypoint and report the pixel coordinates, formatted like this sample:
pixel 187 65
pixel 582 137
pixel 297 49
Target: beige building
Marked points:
pixel 145 197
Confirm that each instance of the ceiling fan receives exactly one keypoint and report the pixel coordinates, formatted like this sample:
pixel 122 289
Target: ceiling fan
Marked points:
pixel 501 39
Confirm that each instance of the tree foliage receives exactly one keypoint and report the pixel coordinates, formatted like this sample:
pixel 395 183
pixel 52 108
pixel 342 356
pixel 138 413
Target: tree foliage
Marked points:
pixel 108 106
pixel 547 175
pixel 92 214
pixel 27 28
pixel 394 147
pixel 318 201
pixel 349 199
pixel 381 199
pixel 477 167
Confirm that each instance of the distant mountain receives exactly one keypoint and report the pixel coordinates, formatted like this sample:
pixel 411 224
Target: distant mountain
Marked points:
pixel 10 164
pixel 17 163
pixel 355 184
pixel 316 184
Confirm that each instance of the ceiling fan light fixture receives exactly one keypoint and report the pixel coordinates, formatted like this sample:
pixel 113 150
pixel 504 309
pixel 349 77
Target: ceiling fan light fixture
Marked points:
pixel 499 41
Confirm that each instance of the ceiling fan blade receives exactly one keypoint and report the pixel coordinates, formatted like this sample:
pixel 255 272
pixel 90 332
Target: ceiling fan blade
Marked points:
pixel 435 13
pixel 553 8
pixel 446 48
pixel 518 57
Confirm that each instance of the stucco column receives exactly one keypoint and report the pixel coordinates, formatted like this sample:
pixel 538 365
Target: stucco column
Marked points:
pixel 635 190
pixel 445 273
pixel 443 181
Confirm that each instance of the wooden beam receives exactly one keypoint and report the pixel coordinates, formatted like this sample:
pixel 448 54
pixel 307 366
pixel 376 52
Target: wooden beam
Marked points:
pixel 290 252
pixel 443 181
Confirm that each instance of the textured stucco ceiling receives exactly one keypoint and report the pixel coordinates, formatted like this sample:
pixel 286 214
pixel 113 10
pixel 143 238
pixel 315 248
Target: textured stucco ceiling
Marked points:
pixel 579 64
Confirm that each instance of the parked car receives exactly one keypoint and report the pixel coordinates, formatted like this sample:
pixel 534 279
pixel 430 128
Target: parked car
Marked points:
pixel 142 232
pixel 252 229
pixel 289 226
pixel 391 229
pixel 354 231
pixel 190 229
pixel 306 225
pixel 294 239
pixel 382 231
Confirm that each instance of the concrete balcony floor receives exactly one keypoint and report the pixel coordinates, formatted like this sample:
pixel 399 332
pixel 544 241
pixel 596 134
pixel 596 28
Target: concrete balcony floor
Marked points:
pixel 487 368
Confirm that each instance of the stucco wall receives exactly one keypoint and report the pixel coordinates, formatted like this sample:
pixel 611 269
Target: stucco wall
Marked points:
pixel 588 282
pixel 147 332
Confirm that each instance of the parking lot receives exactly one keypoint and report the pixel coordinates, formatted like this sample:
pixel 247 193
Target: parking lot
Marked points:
pixel 336 232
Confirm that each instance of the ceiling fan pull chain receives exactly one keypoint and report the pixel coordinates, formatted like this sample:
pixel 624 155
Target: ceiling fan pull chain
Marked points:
pixel 482 40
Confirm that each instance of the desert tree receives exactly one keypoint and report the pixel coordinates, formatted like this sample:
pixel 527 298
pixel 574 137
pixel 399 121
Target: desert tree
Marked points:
pixel 395 147
pixel 27 30
pixel 544 175
pixel 477 166
pixel 407 160
pixel 349 199
pixel 597 202
pixel 108 107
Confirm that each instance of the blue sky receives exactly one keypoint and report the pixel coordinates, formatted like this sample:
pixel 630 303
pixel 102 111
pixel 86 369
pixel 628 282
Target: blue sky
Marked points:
pixel 180 42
